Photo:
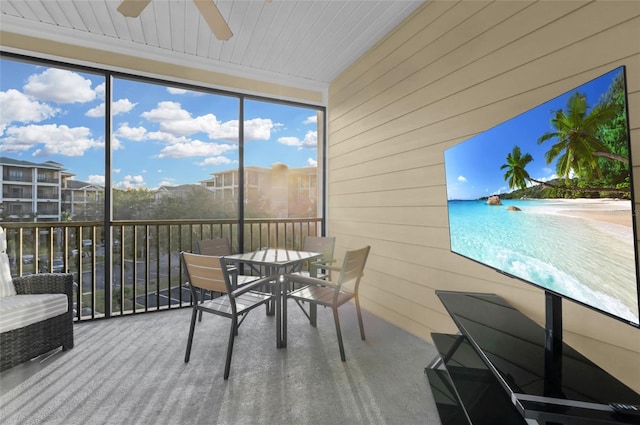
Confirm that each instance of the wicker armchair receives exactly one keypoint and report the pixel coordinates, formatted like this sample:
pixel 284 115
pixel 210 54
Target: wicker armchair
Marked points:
pixel 23 344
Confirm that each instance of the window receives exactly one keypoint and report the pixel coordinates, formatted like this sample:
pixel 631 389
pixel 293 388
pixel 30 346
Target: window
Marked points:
pixel 54 123
pixel 15 174
pixel 169 143
pixel 172 146
pixel 281 150
pixel 176 152
pixel 17 192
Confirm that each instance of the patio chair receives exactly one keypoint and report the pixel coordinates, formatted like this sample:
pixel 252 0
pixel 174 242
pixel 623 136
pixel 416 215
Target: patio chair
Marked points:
pixel 210 273
pixel 221 247
pixel 318 268
pixel 216 246
pixel 333 294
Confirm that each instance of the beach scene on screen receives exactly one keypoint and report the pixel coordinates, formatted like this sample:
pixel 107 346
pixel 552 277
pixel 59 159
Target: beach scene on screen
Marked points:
pixel 547 197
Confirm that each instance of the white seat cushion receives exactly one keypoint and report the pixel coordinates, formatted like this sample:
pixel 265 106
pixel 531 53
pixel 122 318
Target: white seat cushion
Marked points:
pixel 23 310
pixel 3 240
pixel 7 288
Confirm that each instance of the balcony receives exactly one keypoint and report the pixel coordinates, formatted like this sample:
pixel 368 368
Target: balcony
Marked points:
pixel 145 274
pixel 131 370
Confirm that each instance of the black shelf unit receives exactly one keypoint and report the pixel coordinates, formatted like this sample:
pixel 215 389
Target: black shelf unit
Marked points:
pixel 497 370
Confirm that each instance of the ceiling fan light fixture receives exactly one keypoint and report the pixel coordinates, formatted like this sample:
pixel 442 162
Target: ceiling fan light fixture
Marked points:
pixel 207 8
pixel 214 19
pixel 132 8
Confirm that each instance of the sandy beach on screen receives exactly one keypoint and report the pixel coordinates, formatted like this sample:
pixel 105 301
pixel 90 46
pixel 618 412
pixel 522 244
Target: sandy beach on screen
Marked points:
pixel 608 210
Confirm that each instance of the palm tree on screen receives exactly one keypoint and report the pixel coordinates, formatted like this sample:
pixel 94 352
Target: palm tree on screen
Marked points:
pixel 578 144
pixel 516 175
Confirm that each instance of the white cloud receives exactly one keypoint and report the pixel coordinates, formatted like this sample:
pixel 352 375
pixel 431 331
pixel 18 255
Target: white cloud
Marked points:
pixel 122 106
pixel 225 130
pixel 313 119
pixel 60 86
pixel 162 136
pixel 178 91
pixel 194 148
pixel 289 141
pixel 258 129
pixel 115 144
pixel 312 162
pixel 62 140
pixel 216 160
pixel 176 121
pixel 118 107
pixel 20 108
pixel 310 140
pixel 553 176
pixel 167 112
pixel 97 179
pixel 96 112
pixel 100 90
pixel 462 179
pixel 175 90
pixel 130 182
pixel 132 133
pixel 167 182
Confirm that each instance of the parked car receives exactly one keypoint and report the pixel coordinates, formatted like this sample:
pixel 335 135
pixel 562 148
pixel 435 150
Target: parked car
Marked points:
pixel 27 259
pixel 57 266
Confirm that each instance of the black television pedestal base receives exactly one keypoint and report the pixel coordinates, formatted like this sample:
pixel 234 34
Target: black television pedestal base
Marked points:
pixel 496 371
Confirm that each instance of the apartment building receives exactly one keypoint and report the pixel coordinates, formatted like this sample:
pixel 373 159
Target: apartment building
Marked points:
pixel 30 191
pixel 33 191
pixel 82 200
pixel 283 191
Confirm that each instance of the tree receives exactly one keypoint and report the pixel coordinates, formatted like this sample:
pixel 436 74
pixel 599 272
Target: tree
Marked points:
pixel 191 202
pixel 614 134
pixel 516 175
pixel 578 145
pixel 131 204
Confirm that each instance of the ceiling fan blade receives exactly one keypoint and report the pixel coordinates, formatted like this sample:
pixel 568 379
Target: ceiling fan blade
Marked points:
pixel 132 8
pixel 214 19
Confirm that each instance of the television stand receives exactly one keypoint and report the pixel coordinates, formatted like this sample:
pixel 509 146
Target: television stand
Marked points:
pixel 496 370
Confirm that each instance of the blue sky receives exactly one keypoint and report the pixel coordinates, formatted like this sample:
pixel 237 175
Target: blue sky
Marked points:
pixel 160 135
pixel 473 166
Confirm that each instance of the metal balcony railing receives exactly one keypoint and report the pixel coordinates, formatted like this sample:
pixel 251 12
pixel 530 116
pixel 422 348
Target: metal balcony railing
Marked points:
pixel 137 269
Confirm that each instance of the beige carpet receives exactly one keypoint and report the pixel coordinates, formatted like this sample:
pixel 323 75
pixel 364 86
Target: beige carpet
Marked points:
pixel 130 370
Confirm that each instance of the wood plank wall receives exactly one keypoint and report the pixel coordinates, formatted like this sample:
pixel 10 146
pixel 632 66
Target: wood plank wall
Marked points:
pixel 450 71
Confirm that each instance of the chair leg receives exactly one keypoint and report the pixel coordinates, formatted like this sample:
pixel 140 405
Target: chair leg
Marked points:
pixel 360 318
pixel 202 298
pixel 192 328
pixel 232 334
pixel 313 314
pixel 336 319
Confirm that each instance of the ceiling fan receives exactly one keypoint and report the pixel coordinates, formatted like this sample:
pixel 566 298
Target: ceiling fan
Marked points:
pixel 208 9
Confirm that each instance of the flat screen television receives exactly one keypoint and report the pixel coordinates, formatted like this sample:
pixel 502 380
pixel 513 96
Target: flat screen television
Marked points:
pixel 547 197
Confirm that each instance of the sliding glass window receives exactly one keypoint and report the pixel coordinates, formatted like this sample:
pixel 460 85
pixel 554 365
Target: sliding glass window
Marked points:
pixel 52 150
pixel 282 181
pixel 167 143
pixel 110 175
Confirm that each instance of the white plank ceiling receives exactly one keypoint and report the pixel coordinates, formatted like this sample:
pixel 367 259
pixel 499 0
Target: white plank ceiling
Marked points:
pixel 304 43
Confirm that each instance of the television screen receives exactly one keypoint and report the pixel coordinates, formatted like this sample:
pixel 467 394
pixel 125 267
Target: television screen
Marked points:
pixel 547 197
